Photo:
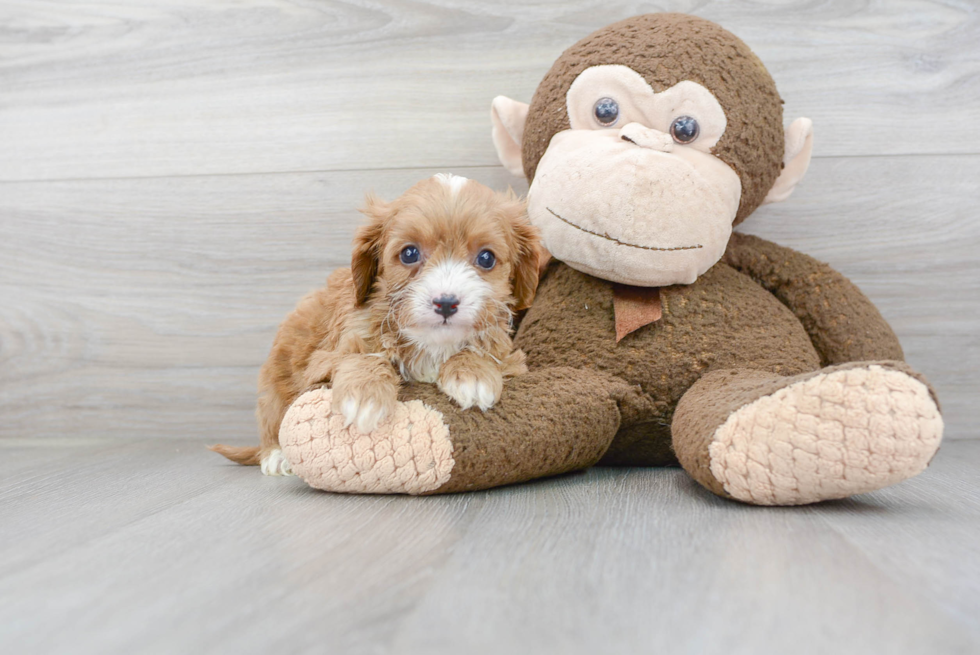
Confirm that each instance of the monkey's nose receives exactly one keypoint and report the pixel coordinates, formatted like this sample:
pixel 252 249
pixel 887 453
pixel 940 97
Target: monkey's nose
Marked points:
pixel 646 137
pixel 446 306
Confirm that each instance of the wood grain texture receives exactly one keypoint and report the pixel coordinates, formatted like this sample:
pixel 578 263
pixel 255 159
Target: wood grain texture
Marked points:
pixel 145 307
pixel 121 546
pixel 177 87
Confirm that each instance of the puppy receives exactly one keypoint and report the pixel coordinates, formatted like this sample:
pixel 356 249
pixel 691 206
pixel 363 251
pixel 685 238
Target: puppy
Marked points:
pixel 435 279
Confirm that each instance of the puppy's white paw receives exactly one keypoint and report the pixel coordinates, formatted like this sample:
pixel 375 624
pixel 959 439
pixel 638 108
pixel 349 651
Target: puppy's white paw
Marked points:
pixel 275 463
pixel 365 405
pixel 469 390
pixel 365 391
pixel 364 416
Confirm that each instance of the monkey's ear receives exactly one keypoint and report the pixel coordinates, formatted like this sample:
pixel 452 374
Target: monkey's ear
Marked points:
pixel 799 147
pixel 508 118
pixel 368 244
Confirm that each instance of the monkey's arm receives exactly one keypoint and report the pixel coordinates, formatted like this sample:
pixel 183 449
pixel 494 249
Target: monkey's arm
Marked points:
pixel 843 324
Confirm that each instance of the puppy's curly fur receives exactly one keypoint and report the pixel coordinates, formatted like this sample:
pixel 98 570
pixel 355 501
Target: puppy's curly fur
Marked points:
pixel 444 318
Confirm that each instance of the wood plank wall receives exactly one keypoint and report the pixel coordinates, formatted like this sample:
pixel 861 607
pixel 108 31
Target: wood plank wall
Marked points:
pixel 175 174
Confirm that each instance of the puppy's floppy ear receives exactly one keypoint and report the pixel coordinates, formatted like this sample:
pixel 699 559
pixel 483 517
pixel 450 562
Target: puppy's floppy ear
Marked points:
pixel 368 244
pixel 528 252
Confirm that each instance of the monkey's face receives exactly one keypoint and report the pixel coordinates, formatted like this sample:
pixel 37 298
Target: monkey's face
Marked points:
pixel 632 192
pixel 645 143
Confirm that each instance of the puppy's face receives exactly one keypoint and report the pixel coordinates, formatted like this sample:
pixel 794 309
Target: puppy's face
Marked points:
pixel 450 257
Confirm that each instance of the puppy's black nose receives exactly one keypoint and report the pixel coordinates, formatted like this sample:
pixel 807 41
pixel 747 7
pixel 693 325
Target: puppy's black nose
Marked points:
pixel 446 306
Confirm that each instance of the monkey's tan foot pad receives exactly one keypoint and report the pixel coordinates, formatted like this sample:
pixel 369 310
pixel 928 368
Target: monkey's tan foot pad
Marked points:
pixel 829 436
pixel 409 453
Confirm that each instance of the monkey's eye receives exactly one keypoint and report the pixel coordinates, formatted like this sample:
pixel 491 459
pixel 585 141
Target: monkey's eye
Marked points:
pixel 606 111
pixel 486 259
pixel 684 129
pixel 410 255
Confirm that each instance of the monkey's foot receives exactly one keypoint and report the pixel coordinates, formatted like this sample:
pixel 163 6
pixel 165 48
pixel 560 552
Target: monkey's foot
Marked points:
pixel 830 434
pixel 771 440
pixel 409 452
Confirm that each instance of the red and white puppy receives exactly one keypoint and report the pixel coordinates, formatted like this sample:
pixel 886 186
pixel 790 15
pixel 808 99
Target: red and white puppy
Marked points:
pixel 435 278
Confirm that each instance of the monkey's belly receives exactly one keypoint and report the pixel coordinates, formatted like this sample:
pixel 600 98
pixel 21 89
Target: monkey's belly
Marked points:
pixel 724 320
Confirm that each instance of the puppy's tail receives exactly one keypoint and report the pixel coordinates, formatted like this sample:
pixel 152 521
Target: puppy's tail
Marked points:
pixel 246 455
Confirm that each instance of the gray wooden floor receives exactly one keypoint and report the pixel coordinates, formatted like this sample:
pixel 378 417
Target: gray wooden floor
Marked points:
pixel 174 174
pixel 149 546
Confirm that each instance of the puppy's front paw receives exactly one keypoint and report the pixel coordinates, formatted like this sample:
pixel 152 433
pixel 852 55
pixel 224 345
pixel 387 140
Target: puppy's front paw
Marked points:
pixel 365 403
pixel 477 388
pixel 364 414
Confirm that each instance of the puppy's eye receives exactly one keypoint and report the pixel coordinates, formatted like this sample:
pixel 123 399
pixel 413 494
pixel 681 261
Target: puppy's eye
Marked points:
pixel 606 111
pixel 410 255
pixel 486 259
pixel 684 129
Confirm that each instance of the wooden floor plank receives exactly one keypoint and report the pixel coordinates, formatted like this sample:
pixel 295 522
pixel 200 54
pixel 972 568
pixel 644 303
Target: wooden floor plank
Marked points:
pixel 163 547
pixel 684 571
pixel 180 87
pixel 939 513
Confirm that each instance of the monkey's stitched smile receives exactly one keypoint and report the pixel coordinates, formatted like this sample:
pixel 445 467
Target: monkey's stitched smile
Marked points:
pixel 617 241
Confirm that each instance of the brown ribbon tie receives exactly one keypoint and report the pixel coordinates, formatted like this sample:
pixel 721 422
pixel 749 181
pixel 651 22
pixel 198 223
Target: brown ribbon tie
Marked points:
pixel 635 307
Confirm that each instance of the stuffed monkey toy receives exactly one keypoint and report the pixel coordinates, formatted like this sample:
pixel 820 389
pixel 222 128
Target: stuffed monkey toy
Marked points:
pixel 658 336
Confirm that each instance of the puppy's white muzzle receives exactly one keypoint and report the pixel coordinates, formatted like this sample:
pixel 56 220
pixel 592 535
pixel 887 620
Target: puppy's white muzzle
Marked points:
pixel 446 302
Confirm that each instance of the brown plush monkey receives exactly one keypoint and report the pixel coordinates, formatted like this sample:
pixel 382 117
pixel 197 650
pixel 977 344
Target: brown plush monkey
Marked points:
pixel 658 336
